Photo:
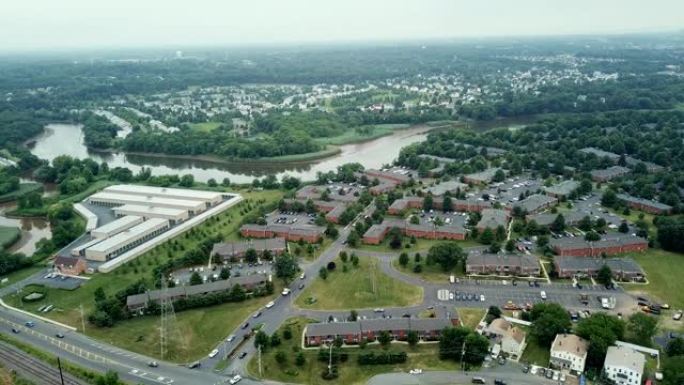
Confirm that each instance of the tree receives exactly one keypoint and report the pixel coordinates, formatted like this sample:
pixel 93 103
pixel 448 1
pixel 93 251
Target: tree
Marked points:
pixel 592 236
pixel 353 239
pixel 428 202
pixel 671 233
pixel 275 339
pixel 299 359
pixel 412 338
pixel 384 338
pixel 495 311
pixel 262 340
pixel 286 267
pixel 212 182
pixel 343 256
pixel 251 255
pixel 601 330
pixel 187 180
pixel 446 254
pixel 495 247
pixel 280 357
pixel 447 204
pixel 287 334
pixel 673 371
pixel 195 279
pixel 548 319
pixel 510 246
pixel 585 223
pixel 403 259
pixel 110 378
pixel 477 347
pixel 624 227
pixel 542 240
pixel 558 224
pixel 604 275
pixel 609 198
pixel 642 328
pixel 225 273
pixel 675 347
pixel 487 236
pixel 225 182
pixel 451 343
pixel 353 315
pixel 323 273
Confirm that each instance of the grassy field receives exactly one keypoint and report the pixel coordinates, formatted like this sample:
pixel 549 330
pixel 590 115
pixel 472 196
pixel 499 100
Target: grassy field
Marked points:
pixel 664 271
pixel 205 126
pixel 24 188
pixel 354 136
pixel 423 356
pixel 302 251
pixel 430 273
pixel 8 235
pixel 19 275
pixel 421 244
pixel 364 286
pixel 67 303
pixel 470 317
pixel 535 354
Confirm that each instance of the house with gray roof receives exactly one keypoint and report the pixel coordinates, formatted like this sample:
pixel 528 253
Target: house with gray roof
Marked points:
pixel 610 173
pixel 623 269
pixel 562 189
pixel 492 218
pixel 536 203
pixel 647 205
pixel 503 264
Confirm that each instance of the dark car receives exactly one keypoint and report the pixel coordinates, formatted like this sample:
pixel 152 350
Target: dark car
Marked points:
pixel 242 355
pixel 526 369
pixel 406 315
pixel 301 286
pixel 245 325
pixel 152 364
pixel 59 335
pixel 499 382
pixel 536 284
pixel 15 330
pixel 195 365
pixel 30 324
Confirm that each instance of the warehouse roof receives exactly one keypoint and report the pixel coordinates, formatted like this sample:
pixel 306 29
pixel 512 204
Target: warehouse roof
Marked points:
pixel 147 200
pixel 145 209
pixel 128 234
pixel 117 224
pixel 165 191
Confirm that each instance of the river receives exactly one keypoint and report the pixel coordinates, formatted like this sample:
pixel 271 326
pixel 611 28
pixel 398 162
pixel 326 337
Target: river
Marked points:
pixel 67 139
pixel 32 230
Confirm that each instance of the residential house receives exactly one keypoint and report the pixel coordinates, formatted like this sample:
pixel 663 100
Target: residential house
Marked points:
pixel 70 265
pixel 624 366
pixel 569 352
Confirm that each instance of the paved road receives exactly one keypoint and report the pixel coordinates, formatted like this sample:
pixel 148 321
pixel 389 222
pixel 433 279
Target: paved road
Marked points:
pixel 511 373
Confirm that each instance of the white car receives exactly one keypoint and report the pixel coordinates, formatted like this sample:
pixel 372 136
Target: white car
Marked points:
pixel 270 305
pixel 213 353
pixel 482 298
pixel 451 295
pixel 543 294
pixel 302 276
pixel 286 291
pixel 230 338
pixel 379 310
pixel 416 371
pixel 235 379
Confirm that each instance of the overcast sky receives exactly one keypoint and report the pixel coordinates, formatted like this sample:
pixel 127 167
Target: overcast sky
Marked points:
pixel 55 24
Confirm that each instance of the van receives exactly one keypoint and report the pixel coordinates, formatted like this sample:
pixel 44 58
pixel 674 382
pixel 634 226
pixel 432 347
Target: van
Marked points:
pixel 543 294
pixel 478 380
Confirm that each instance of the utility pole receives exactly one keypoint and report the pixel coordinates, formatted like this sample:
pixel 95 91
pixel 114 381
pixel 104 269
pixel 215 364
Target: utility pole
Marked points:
pixel 59 365
pixel 259 349
pixel 330 361
pixel 82 320
pixel 463 353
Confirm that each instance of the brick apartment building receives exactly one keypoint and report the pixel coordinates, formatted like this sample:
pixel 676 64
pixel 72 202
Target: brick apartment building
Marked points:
pixel 309 234
pixel 352 333
pixel 649 206
pixel 377 232
pixel 503 264
pixel 234 251
pixel 609 245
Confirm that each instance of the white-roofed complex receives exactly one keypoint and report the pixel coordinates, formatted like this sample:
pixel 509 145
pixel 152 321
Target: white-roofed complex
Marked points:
pixel 117 199
pixel 173 215
pixel 116 226
pixel 123 241
pixel 209 197
pixel 91 219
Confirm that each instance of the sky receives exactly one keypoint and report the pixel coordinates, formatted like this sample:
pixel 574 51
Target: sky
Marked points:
pixel 33 25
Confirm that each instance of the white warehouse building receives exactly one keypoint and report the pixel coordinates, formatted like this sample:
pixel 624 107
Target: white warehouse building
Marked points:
pixel 116 226
pixel 209 197
pixel 115 199
pixel 175 216
pixel 126 240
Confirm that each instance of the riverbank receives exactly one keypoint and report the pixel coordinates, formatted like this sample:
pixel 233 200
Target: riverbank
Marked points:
pixel 8 236
pixel 24 188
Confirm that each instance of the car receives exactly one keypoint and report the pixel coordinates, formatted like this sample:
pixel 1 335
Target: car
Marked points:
pixel 235 379
pixel 213 353
pixel 379 310
pixel 665 306
pixel 15 330
pixel 301 286
pixel 152 364
pixel 478 380
pixel 451 295
pixel 302 276
pixel 526 369
pixel 257 315
pixel 543 295
pixel 482 298
pixel 59 335
pixel 406 315
pixel 245 325
pixel 502 361
pixel 416 371
pixel 536 284
pixel 285 291
pixel 677 316
pixel 270 305
pixel 195 365
pixel 242 355
pixel 499 382
pixel 549 374
pixel 30 324
pixel 230 338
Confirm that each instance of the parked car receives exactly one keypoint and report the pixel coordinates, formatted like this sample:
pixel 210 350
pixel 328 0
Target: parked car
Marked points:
pixel 245 325
pixel 416 371
pixel 270 305
pixel 152 364
pixel 677 316
pixel 59 335
pixel 30 324
pixel 213 353
pixel 235 379
pixel 242 355
pixel 15 330
pixel 195 365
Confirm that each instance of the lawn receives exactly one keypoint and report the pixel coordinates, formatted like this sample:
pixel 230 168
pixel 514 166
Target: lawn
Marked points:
pixel 422 356
pixel 303 251
pixel 8 235
pixel 664 271
pixel 67 303
pixel 421 245
pixel 470 317
pixel 535 354
pixel 364 286
pixel 430 273
pixel 205 126
pixel 19 275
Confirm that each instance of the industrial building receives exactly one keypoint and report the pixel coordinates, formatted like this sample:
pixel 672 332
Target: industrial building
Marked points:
pixel 116 226
pixel 126 240
pixel 116 199
pixel 209 197
pixel 146 212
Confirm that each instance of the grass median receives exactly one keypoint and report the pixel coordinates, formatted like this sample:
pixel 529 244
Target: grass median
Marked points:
pixel 362 286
